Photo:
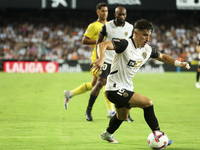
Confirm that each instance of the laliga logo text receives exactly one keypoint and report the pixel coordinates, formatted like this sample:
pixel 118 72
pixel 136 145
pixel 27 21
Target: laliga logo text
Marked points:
pixel 30 67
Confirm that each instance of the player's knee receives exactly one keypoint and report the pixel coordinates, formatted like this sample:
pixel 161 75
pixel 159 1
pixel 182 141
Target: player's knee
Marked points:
pixel 93 83
pixel 99 84
pixel 149 102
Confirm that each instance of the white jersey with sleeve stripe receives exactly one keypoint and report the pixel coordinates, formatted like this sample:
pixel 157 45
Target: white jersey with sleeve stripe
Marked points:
pixel 126 62
pixel 111 31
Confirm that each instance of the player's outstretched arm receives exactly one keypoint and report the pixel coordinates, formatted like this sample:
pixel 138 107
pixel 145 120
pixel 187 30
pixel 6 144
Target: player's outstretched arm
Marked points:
pixel 171 61
pixel 101 48
pixel 99 40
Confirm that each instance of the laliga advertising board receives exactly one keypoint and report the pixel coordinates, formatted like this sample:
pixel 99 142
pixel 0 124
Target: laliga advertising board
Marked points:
pixel 30 67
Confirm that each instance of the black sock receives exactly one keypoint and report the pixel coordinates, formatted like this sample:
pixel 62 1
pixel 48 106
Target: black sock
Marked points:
pixel 91 102
pixel 114 124
pixel 151 118
pixel 129 115
pixel 88 110
pixel 198 73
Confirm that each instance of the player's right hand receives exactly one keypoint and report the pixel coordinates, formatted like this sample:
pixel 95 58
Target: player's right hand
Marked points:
pixel 185 65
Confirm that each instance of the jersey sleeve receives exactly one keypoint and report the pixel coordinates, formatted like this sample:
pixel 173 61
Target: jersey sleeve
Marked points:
pixel 89 31
pixel 119 45
pixel 132 33
pixel 103 31
pixel 154 53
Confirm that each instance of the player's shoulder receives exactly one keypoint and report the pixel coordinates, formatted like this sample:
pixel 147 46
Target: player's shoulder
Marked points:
pixel 128 24
pixel 95 23
pixel 109 23
pixel 148 47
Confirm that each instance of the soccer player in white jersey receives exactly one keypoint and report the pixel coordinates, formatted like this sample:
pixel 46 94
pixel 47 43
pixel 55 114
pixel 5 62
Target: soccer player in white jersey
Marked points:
pixel 130 55
pixel 198 65
pixel 117 28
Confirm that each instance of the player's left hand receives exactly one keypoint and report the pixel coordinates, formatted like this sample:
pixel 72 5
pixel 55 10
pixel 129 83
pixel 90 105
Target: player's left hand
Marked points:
pixel 185 65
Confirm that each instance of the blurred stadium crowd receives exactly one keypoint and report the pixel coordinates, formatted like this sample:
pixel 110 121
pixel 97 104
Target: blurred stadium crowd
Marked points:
pixel 53 35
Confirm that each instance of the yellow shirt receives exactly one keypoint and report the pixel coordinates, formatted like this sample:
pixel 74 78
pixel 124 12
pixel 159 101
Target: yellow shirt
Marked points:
pixel 92 32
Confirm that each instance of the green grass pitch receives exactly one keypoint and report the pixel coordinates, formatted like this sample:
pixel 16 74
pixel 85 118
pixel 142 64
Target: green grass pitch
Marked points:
pixel 32 116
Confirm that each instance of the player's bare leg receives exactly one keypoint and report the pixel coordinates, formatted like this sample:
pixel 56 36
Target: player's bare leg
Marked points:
pixel 138 100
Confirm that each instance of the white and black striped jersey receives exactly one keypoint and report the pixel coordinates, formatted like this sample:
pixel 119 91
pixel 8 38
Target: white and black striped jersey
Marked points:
pixel 111 31
pixel 126 62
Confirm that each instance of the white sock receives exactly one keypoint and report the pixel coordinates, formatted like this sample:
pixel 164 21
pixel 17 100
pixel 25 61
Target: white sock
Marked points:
pixel 70 94
pixel 111 111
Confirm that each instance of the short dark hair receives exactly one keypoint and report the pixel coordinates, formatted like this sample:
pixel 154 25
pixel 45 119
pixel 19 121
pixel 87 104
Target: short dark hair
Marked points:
pixel 101 5
pixel 143 24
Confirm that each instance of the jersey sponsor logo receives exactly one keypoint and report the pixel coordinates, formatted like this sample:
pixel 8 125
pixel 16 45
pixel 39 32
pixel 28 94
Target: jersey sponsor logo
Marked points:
pixel 133 63
pixel 144 55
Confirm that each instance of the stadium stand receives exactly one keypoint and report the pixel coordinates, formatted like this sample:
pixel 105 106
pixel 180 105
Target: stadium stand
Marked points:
pixel 57 34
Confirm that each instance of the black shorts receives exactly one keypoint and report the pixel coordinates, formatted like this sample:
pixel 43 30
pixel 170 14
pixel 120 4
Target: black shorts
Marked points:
pixel 105 70
pixel 120 97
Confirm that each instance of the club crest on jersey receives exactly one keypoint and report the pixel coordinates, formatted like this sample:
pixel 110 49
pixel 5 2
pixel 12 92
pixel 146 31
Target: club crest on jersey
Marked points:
pixel 125 94
pixel 144 55
pixel 126 33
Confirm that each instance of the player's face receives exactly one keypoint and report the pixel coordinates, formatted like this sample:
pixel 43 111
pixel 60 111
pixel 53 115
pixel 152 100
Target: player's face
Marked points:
pixel 120 17
pixel 103 13
pixel 143 37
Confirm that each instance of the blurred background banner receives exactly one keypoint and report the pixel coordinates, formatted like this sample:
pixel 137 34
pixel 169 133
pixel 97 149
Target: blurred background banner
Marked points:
pixel 132 4
pixel 188 4
pixel 36 4
pixel 90 4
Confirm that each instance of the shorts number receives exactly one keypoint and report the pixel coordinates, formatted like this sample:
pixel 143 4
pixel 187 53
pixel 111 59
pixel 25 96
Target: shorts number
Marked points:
pixel 104 67
pixel 120 92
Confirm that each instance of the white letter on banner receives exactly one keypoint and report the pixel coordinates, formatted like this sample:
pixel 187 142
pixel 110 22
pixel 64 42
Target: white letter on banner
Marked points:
pixel 55 3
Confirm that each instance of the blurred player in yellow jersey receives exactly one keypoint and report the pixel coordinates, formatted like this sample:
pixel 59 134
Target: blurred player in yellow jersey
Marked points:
pixel 90 38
